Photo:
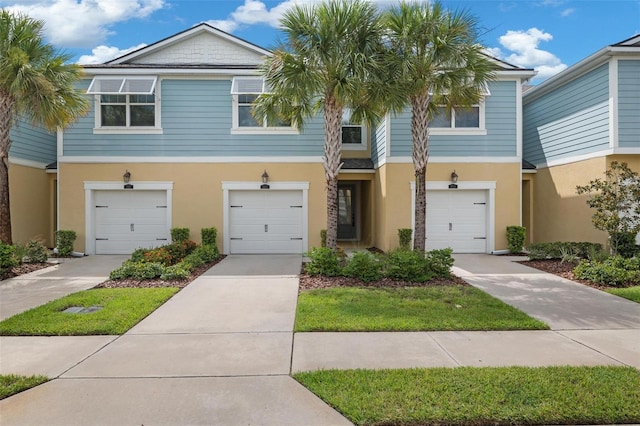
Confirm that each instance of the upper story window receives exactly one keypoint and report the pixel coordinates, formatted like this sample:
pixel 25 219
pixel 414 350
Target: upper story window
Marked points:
pixel 467 118
pixel 353 135
pixel 245 91
pixel 125 104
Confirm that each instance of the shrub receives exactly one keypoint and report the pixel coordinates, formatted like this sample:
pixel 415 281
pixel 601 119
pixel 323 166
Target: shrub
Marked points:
pixel 176 272
pixel 138 255
pixel 625 243
pixel 440 262
pixel 515 238
pixel 364 266
pixel 178 250
pixel 404 235
pixel 158 255
pixel 555 250
pixel 137 270
pixel 568 255
pixel 408 265
pixel 323 261
pixel 209 236
pixel 64 242
pixel 35 252
pixel 323 238
pixel 179 234
pixel 207 253
pixel 614 271
pixel 7 259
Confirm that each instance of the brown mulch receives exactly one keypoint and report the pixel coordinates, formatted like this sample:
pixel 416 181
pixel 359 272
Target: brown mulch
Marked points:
pixel 564 270
pixel 307 282
pixel 25 268
pixel 133 283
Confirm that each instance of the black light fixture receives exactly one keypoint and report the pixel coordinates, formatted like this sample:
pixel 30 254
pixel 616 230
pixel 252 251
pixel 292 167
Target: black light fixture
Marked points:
pixel 126 177
pixel 454 180
pixel 265 180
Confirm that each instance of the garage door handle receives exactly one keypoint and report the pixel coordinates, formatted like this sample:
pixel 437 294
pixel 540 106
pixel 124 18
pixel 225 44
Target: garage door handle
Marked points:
pixel 450 226
pixel 102 239
pixel 235 239
pixel 161 239
pixel 235 207
pixel 296 207
pixel 479 238
pixel 132 229
pixel 295 238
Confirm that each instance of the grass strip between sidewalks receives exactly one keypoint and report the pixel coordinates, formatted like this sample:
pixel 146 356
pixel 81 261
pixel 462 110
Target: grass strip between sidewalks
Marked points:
pixel 481 396
pixel 121 309
pixel 441 308
pixel 11 384
pixel 631 293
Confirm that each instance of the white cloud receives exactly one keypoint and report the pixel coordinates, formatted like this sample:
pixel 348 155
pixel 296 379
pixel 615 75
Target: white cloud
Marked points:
pixel 567 12
pixel 102 54
pixel 84 23
pixel 526 54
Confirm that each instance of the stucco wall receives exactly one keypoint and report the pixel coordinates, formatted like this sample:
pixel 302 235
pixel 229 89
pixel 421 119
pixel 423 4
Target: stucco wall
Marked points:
pixel 30 202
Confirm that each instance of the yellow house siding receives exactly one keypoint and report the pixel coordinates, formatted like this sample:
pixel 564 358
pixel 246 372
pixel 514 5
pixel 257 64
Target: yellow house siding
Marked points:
pixel 30 202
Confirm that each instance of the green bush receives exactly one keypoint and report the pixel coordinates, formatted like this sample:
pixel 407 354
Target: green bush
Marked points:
pixel 137 270
pixel 614 271
pixel 556 249
pixel 207 253
pixel 138 255
pixel 176 272
pixel 323 238
pixel 408 265
pixel 404 235
pixel 364 266
pixel 7 259
pixel 179 234
pixel 515 238
pixel 323 261
pixel 209 236
pixel 158 255
pixel 178 250
pixel 64 242
pixel 624 244
pixel 35 252
pixel 440 262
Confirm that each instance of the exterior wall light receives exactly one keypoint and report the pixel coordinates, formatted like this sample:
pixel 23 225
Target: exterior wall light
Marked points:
pixel 454 180
pixel 126 177
pixel 265 180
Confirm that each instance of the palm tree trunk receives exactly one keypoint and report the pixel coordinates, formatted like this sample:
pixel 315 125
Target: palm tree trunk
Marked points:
pixel 6 104
pixel 420 136
pixel 332 150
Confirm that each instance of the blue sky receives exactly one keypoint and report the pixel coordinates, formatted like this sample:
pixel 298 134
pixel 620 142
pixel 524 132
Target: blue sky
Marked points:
pixel 547 35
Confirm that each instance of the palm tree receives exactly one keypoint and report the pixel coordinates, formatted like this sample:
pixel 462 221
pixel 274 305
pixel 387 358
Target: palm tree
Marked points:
pixel 437 61
pixel 36 84
pixel 329 61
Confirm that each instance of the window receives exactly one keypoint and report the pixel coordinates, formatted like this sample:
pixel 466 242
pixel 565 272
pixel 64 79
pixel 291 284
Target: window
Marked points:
pixel 245 91
pixel 353 135
pixel 125 104
pixel 467 118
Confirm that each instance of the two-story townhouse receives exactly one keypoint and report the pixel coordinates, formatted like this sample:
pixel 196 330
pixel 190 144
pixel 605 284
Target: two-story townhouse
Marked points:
pixel 575 125
pixel 32 183
pixel 171 142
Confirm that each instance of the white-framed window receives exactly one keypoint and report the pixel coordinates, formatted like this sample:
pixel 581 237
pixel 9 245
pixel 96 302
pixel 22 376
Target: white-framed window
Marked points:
pixel 125 104
pixel 244 92
pixel 461 121
pixel 354 136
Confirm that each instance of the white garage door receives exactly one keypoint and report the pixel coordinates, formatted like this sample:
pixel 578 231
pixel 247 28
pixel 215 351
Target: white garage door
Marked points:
pixel 457 219
pixel 127 220
pixel 265 221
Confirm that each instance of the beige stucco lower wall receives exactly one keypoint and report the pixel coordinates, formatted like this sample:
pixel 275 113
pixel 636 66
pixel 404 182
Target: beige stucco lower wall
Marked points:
pixel 30 201
pixel 559 213
pixel 393 196
pixel 197 191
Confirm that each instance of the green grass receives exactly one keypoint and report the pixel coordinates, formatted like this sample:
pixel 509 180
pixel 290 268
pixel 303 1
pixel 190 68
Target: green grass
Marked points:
pixel 481 396
pixel 631 293
pixel 407 309
pixel 122 308
pixel 12 384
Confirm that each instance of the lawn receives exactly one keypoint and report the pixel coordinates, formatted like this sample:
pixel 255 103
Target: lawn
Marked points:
pixel 441 308
pixel 481 396
pixel 631 293
pixel 122 308
pixel 11 384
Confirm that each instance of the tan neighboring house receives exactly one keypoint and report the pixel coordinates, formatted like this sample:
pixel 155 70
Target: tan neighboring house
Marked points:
pixel 170 142
pixel 575 125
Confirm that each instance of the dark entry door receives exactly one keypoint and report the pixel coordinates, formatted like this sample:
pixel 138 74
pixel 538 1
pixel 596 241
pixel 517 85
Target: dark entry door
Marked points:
pixel 347 215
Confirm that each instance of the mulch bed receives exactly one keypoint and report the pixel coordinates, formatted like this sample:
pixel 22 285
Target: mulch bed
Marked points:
pixel 564 270
pixel 25 268
pixel 133 283
pixel 307 282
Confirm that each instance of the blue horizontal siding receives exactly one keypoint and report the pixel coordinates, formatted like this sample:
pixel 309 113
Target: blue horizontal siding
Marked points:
pixel 500 124
pixel 33 143
pixel 196 121
pixel 569 121
pixel 629 103
pixel 379 142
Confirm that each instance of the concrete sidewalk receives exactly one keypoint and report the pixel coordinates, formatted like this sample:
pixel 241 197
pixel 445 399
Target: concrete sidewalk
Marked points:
pixel 221 350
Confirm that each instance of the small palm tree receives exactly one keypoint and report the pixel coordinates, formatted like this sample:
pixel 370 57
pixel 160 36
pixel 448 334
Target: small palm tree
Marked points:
pixel 437 61
pixel 330 61
pixel 36 83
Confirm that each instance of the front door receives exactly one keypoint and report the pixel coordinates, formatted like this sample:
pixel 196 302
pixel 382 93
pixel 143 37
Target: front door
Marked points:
pixel 347 214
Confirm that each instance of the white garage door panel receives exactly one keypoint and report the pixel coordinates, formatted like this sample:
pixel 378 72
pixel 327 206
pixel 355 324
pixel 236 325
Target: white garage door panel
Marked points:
pixel 127 220
pixel 457 219
pixel 265 221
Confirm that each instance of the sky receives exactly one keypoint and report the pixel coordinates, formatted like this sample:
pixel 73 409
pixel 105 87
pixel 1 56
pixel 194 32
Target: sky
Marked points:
pixel 547 35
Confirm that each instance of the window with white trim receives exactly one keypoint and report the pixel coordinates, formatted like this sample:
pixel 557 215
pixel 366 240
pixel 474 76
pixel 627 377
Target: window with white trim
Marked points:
pixel 460 118
pixel 353 135
pixel 244 92
pixel 125 103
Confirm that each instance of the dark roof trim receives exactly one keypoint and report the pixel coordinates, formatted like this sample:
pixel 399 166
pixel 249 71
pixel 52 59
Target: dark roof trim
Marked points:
pixel 357 164
pixel 168 66
pixel 527 165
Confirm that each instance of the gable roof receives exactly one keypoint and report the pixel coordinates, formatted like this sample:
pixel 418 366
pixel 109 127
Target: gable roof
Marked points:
pixel 628 47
